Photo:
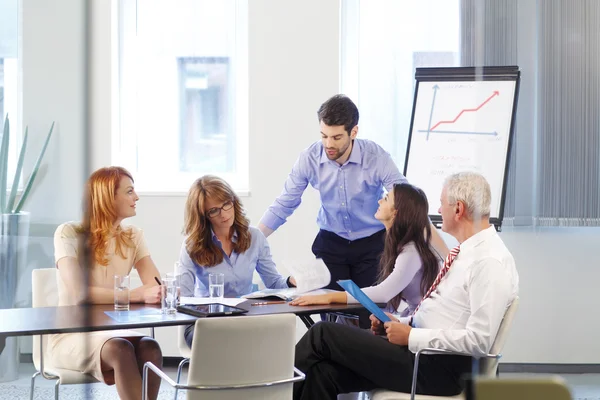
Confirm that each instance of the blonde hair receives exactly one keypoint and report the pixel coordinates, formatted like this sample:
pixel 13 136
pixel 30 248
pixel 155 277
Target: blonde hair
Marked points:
pixel 197 226
pixel 100 213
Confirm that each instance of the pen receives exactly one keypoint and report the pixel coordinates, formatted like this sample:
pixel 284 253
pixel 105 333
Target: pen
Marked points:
pixel 157 280
pixel 264 303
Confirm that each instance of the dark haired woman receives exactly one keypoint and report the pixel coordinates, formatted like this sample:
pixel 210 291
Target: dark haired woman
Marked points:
pixel 408 267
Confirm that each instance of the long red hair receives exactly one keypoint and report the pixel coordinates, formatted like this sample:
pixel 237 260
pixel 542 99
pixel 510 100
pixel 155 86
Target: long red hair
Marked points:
pixel 100 213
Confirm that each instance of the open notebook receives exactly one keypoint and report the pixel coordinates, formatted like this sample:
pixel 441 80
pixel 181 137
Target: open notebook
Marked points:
pixel 310 276
pixel 288 294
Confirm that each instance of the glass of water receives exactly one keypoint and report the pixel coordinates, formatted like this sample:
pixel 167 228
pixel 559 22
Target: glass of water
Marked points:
pixel 121 292
pixel 177 275
pixel 216 285
pixel 168 303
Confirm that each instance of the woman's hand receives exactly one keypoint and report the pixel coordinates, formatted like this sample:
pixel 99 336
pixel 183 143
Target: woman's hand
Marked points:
pixel 308 300
pixel 147 294
pixel 293 281
pixel 152 294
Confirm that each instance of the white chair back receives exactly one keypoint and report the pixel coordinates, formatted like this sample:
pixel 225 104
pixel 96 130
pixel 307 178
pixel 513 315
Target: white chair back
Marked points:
pixel 44 289
pixel 489 366
pixel 184 349
pixel 243 350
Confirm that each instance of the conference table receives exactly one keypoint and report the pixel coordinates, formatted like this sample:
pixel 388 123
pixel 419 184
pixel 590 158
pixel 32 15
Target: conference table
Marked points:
pixel 101 317
pixel 90 318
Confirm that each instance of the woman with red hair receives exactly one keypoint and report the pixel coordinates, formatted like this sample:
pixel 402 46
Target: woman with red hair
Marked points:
pixel 113 357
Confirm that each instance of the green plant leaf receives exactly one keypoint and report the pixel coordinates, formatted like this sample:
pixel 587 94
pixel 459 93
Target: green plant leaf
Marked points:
pixel 15 185
pixel 36 167
pixel 4 164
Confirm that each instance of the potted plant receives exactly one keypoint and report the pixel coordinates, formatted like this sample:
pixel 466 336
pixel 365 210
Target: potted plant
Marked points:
pixel 14 235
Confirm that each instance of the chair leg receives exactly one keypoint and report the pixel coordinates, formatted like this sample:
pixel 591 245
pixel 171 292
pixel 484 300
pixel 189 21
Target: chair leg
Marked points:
pixel 56 387
pixel 33 384
pixel 179 369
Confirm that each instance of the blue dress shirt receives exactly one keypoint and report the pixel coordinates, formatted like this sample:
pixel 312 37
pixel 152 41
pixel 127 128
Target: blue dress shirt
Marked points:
pixel 349 192
pixel 238 269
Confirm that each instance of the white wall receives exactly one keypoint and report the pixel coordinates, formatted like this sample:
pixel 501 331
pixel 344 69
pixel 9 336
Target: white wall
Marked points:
pixel 53 89
pixel 293 67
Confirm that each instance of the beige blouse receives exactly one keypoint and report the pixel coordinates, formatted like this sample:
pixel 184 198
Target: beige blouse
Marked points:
pixel 81 351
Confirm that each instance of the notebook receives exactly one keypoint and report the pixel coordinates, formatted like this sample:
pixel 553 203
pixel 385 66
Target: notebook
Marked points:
pixel 351 287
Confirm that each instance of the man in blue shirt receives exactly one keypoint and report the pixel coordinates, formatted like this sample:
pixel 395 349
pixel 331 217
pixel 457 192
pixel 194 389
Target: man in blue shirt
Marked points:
pixel 350 175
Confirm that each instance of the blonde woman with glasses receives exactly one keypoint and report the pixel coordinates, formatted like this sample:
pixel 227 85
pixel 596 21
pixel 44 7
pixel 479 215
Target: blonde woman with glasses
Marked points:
pixel 219 239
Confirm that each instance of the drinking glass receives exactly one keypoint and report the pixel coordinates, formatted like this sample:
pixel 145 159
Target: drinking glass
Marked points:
pixel 121 292
pixel 168 298
pixel 216 285
pixel 177 275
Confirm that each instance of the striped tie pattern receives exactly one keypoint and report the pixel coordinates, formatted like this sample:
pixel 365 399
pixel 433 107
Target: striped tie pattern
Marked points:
pixel 447 264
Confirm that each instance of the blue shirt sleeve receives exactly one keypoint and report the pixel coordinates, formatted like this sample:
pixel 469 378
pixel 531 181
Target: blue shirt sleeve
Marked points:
pixel 264 264
pixel 187 280
pixel 390 173
pixel 291 196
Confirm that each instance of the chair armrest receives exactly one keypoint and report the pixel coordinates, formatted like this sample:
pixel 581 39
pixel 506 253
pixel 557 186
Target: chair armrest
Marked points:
pixel 413 388
pixel 298 376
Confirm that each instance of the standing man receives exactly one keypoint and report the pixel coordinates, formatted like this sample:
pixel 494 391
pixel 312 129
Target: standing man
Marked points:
pixel 350 175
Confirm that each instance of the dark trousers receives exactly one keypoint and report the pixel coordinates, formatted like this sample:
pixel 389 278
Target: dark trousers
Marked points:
pixel 189 334
pixel 350 259
pixel 341 359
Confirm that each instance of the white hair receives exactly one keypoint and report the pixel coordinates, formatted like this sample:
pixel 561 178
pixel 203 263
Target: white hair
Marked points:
pixel 472 189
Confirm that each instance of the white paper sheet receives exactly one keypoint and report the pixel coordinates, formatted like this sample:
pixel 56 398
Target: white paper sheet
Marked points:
pixel 309 275
pixel 208 300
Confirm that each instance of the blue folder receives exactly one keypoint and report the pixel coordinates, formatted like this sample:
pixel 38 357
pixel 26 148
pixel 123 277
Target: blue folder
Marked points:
pixel 350 287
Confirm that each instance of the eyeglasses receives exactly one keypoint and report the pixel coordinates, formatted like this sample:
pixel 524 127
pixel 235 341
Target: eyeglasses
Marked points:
pixel 216 211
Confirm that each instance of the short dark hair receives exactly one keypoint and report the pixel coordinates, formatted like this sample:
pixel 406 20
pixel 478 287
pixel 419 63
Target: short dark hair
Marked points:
pixel 339 110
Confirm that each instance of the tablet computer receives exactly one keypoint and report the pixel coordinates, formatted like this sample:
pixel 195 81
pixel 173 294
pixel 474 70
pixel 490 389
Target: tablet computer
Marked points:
pixel 210 310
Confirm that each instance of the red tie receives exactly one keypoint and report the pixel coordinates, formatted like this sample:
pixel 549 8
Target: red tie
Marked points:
pixel 447 264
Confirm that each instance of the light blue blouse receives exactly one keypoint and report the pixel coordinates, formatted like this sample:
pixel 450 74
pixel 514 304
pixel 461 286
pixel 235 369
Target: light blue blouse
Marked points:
pixel 237 269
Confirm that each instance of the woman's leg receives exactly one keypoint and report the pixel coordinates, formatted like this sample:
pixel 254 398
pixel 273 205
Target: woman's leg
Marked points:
pixel 118 359
pixel 147 349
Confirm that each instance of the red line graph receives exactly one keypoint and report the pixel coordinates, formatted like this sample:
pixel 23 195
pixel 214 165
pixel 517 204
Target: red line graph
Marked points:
pixel 496 93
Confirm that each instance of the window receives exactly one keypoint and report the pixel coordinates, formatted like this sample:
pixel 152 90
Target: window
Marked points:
pixel 9 77
pixel 183 92
pixel 554 174
pixel 204 93
pixel 381 45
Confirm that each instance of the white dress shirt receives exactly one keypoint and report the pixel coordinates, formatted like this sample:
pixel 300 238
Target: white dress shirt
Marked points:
pixel 466 310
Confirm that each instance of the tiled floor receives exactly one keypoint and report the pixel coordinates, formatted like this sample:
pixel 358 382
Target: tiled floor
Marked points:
pixel 583 387
pixel 20 389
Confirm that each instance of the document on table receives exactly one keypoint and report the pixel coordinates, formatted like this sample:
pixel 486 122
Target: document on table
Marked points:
pixel 310 276
pixel 232 302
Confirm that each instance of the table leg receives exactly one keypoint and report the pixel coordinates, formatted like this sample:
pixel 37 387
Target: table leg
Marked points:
pixel 2 343
pixel 308 321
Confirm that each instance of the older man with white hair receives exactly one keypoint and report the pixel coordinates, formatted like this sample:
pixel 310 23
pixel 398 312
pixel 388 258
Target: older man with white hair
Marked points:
pixel 462 311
